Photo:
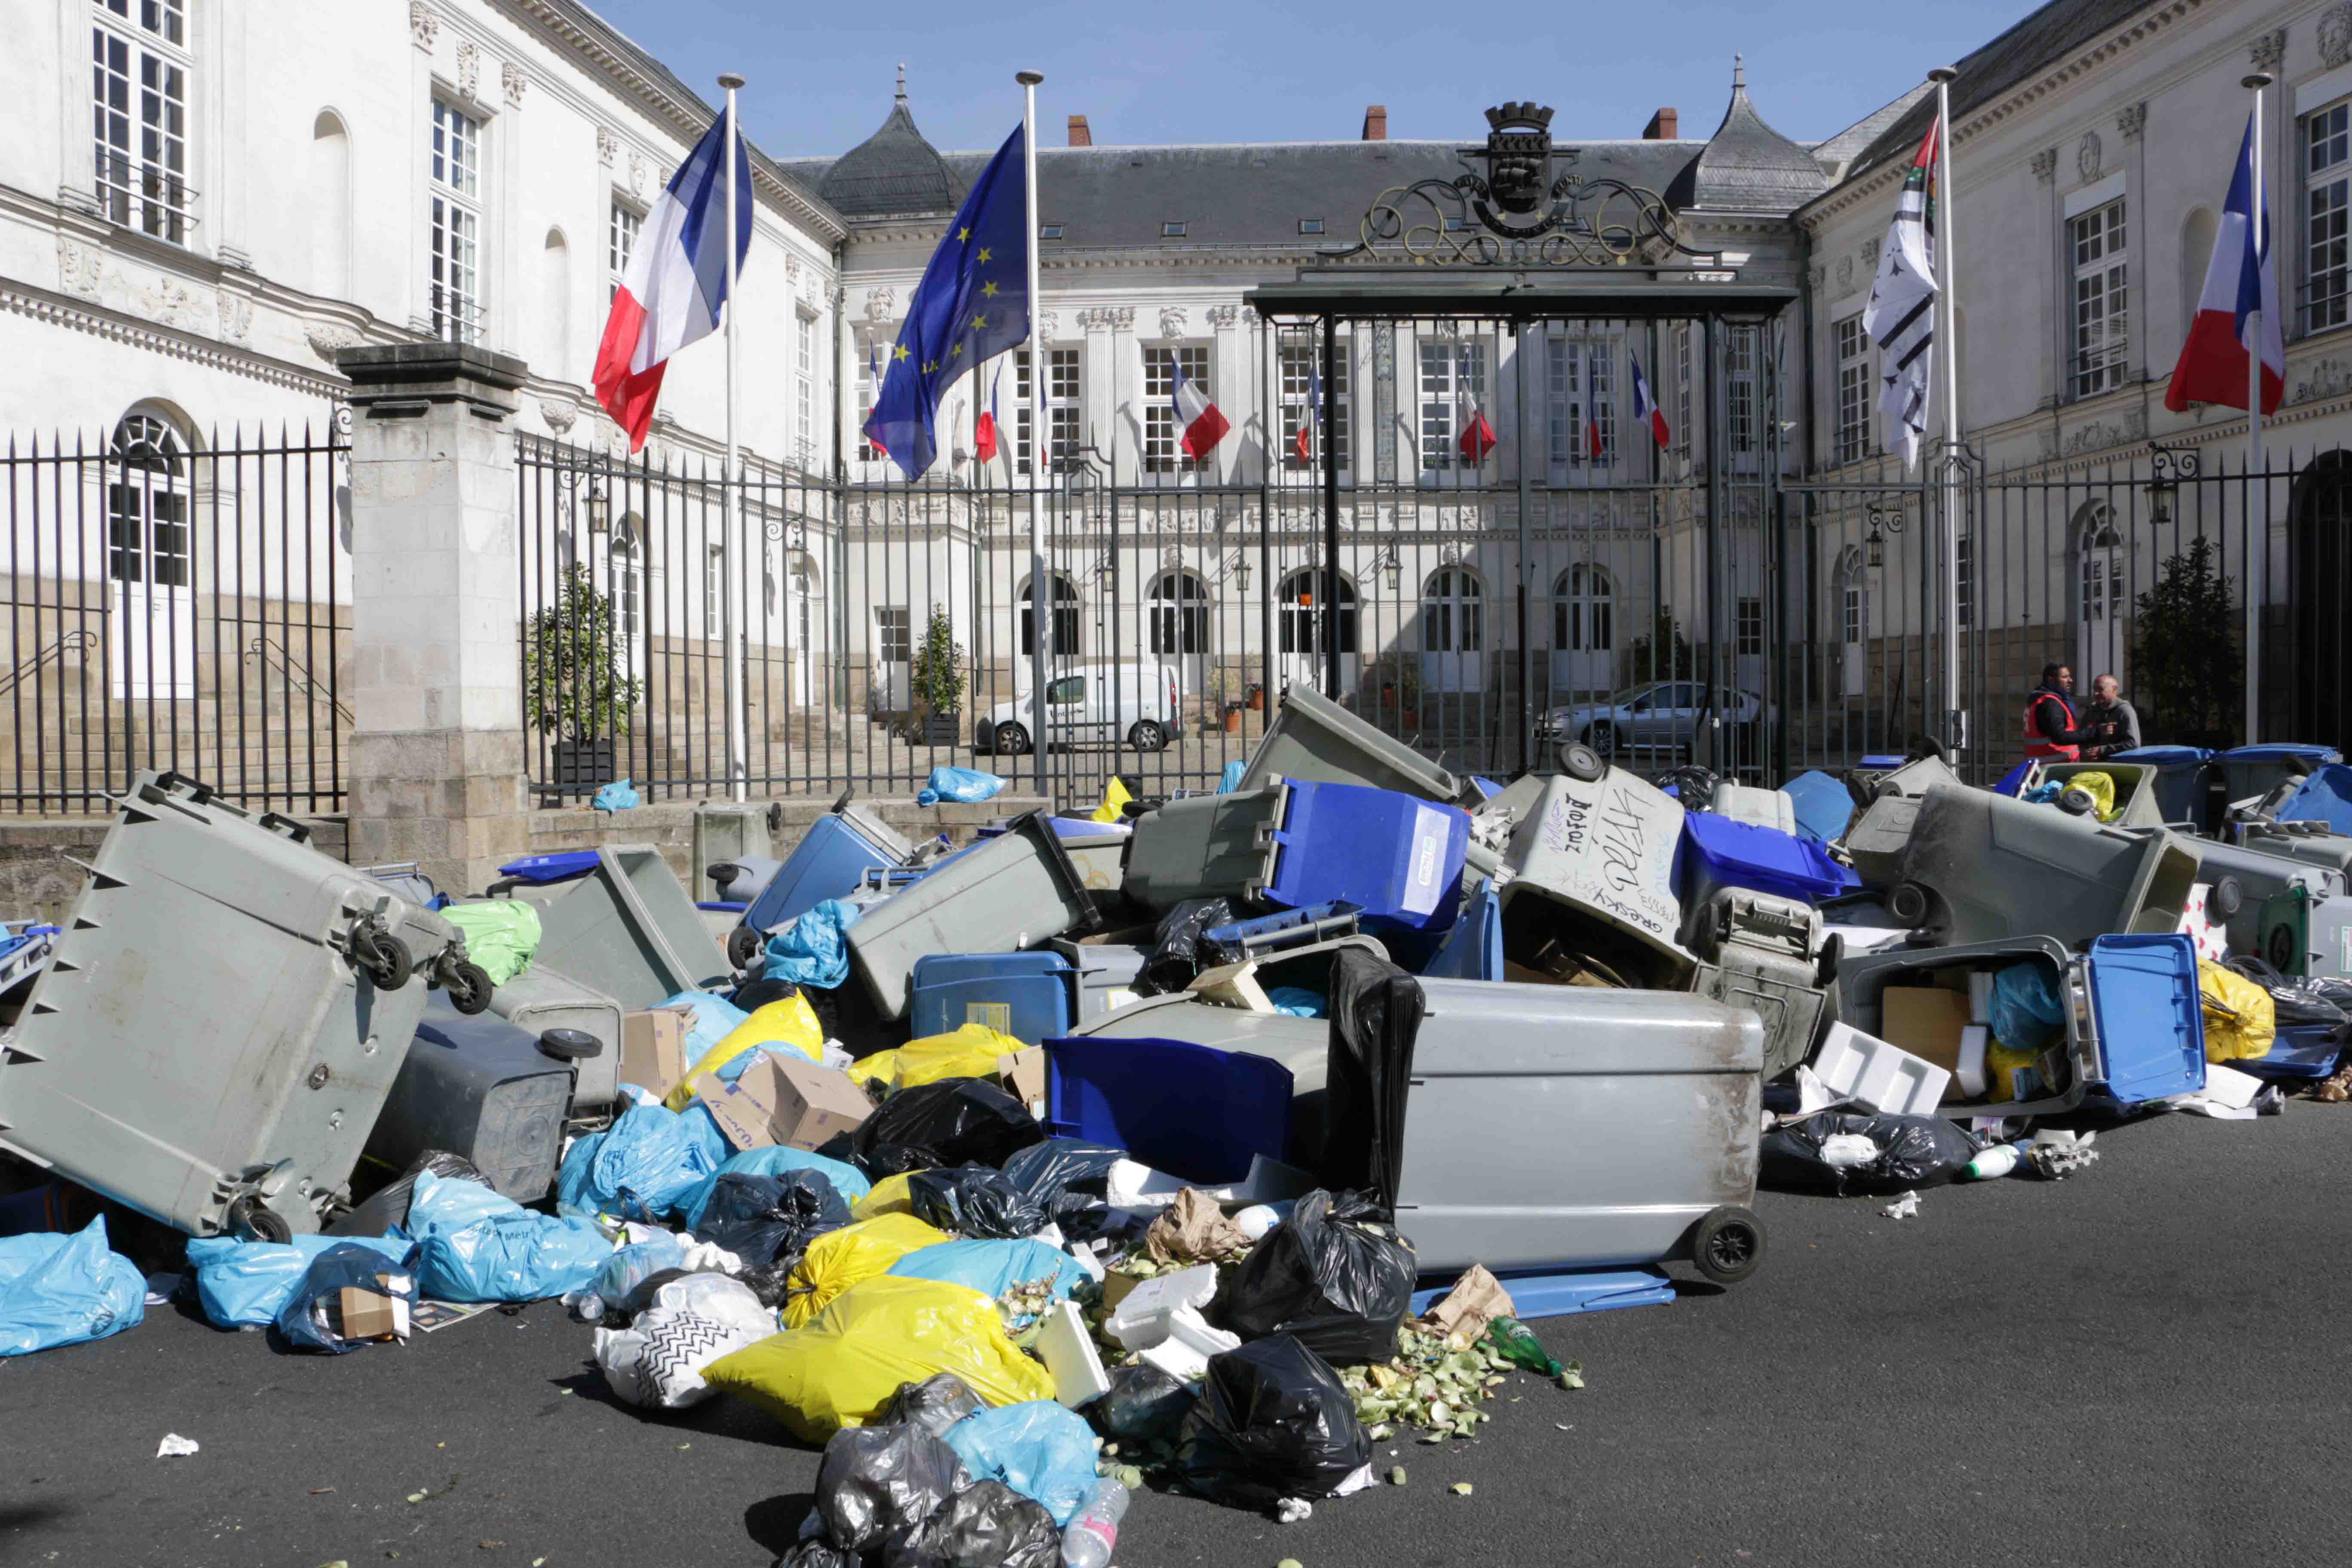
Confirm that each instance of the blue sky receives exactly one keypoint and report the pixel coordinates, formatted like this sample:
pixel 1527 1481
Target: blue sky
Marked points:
pixel 1227 71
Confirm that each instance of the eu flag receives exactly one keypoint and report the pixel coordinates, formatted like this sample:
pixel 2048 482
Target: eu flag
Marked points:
pixel 973 301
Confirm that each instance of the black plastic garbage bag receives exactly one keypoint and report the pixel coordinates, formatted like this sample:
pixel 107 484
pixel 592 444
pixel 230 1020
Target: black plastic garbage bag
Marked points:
pixel 1058 1165
pixel 2298 1000
pixel 975 1201
pixel 315 1296
pixel 955 1121
pixel 1145 1405
pixel 761 1218
pixel 1913 1151
pixel 878 1482
pixel 1272 1422
pixel 388 1207
pixel 988 1525
pixel 1335 1275
pixel 817 1553
pixel 936 1404
pixel 1175 958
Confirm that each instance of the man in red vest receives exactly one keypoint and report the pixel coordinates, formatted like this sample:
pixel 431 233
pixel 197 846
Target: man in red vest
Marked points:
pixel 2052 732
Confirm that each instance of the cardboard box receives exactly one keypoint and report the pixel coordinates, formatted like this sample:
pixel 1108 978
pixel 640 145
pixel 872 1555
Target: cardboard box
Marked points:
pixel 653 1047
pixel 783 1099
pixel 367 1315
pixel 1926 1021
pixel 1022 1074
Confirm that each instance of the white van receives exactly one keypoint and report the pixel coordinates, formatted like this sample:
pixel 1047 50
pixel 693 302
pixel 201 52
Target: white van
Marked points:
pixel 1131 703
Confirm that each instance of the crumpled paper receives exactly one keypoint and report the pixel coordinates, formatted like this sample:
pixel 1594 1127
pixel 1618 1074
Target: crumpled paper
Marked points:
pixel 1193 1229
pixel 1477 1299
pixel 174 1446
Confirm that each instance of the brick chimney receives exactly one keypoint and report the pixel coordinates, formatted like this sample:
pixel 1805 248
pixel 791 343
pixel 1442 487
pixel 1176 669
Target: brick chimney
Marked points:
pixel 1375 123
pixel 1664 126
pixel 1079 136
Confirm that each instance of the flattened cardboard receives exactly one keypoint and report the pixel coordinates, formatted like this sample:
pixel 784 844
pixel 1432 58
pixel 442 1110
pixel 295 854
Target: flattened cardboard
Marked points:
pixel 653 1047
pixel 781 1099
pixel 1926 1021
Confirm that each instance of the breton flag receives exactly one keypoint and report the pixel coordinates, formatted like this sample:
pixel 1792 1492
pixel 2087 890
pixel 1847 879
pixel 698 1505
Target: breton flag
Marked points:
pixel 676 280
pixel 1196 416
pixel 1478 438
pixel 983 435
pixel 1901 315
pixel 2240 279
pixel 1645 406
pixel 1304 442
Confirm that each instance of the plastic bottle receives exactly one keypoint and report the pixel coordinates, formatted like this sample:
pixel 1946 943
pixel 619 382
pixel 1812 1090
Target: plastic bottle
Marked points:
pixel 1093 1529
pixel 1998 1161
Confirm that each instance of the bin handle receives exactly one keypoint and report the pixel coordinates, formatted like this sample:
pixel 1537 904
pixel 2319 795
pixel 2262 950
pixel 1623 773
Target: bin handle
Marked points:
pixel 173 778
pixel 293 829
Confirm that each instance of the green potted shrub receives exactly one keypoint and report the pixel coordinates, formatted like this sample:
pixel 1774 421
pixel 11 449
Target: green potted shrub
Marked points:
pixel 576 686
pixel 938 685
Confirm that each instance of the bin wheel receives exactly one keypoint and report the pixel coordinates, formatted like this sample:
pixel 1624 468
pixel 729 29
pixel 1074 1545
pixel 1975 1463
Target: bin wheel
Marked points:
pixel 1908 903
pixel 2077 802
pixel 2278 949
pixel 569 1045
pixel 2227 899
pixel 256 1221
pixel 1147 736
pixel 1603 740
pixel 383 958
pixel 743 945
pixel 1012 740
pixel 1728 1245
pixel 1583 762
pixel 469 986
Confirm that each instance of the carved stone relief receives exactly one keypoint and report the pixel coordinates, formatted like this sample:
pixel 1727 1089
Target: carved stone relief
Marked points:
pixel 1173 320
pixel 2131 120
pixel 1845 274
pixel 2269 50
pixel 423 26
pixel 2045 166
pixel 2089 154
pixel 2336 34
pixel 79 267
pixel 235 317
pixel 2322 378
pixel 470 69
pixel 511 81
pixel 560 417
pixel 608 146
pixel 326 338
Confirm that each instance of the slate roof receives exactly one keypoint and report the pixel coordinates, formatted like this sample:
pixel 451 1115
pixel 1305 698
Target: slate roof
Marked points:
pixel 1747 166
pixel 1842 148
pixel 893 171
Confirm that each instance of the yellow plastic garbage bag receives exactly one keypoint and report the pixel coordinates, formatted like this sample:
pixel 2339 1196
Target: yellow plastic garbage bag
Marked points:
pixel 1115 795
pixel 839 1259
pixel 843 1368
pixel 2241 1019
pixel 789 1021
pixel 968 1052
pixel 2101 788
pixel 889 1196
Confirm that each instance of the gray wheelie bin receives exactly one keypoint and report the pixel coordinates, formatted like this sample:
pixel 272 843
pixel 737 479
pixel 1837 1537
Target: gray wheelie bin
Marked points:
pixel 1314 739
pixel 632 925
pixel 1765 954
pixel 539 999
pixel 1005 894
pixel 2243 878
pixel 1594 889
pixel 224 1014
pixel 1982 867
pixel 484 1091
pixel 2140 799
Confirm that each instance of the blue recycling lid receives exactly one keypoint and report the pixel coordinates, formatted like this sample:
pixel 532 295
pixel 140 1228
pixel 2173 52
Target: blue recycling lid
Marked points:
pixel 2281 750
pixel 560 867
pixel 2161 754
pixel 2151 1018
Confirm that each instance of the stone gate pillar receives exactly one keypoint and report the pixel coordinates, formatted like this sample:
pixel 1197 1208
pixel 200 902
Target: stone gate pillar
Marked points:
pixel 437 769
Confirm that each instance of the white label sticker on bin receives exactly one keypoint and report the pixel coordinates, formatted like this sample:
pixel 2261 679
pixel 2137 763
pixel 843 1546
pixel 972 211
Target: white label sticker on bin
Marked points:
pixel 1421 889
pixel 1118 998
pixel 996 1016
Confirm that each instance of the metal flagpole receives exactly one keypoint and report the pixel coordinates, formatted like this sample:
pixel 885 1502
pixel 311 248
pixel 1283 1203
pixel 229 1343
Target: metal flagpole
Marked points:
pixel 1956 713
pixel 2258 528
pixel 1041 607
pixel 731 574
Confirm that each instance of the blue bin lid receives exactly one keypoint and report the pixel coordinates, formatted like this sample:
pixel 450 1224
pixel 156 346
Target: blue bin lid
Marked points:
pixel 1882 760
pixel 2324 795
pixel 2300 1051
pixel 2160 756
pixel 947 968
pixel 2150 1019
pixel 1579 1291
pixel 1191 1110
pixel 2281 750
pixel 556 868
pixel 1749 855
pixel 1824 807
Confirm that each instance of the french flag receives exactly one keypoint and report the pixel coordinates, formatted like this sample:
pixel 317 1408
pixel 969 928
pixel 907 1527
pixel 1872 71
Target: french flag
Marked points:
pixel 1303 442
pixel 983 435
pixel 1196 416
pixel 2239 280
pixel 676 280
pixel 1645 405
pixel 1478 438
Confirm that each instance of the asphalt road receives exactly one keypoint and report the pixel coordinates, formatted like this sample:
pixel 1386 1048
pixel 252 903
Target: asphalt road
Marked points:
pixel 2142 1365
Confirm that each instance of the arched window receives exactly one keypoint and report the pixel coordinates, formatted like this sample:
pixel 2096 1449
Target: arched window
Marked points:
pixel 626 558
pixel 555 302
pixel 2100 565
pixel 147 502
pixel 1300 622
pixel 1179 613
pixel 327 200
pixel 2197 234
pixel 1065 627
pixel 1453 612
pixel 1583 610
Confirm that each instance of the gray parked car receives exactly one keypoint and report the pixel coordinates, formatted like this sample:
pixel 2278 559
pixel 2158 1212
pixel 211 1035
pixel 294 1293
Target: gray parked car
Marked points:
pixel 1660 716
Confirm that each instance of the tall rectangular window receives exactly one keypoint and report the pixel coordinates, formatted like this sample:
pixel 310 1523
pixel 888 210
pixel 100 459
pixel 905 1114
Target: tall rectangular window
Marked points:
pixel 1964 584
pixel 893 634
pixel 1747 628
pixel 1853 390
pixel 1739 393
pixel 714 591
pixel 455 271
pixel 1301 371
pixel 620 244
pixel 2102 299
pixel 1452 390
pixel 138 115
pixel 1062 407
pixel 870 371
pixel 1163 440
pixel 1578 377
pixel 2327 193
pixel 805 389
pixel 1681 431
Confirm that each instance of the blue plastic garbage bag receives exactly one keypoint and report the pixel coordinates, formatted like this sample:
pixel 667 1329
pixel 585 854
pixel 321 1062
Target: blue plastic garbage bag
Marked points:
pixel 847 1179
pixel 242 1284
pixel 1296 1001
pixel 992 1268
pixel 715 1019
pixel 354 1264
pixel 1231 779
pixel 1039 1449
pixel 969 785
pixel 629 1267
pixel 618 796
pixel 480 1246
pixel 60 1290
pixel 643 1166
pixel 2026 1011
pixel 810 950
pixel 2040 795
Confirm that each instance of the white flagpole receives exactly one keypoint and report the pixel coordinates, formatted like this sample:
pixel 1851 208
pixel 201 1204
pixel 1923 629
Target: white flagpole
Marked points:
pixel 2258 527
pixel 1956 713
pixel 1041 604
pixel 731 560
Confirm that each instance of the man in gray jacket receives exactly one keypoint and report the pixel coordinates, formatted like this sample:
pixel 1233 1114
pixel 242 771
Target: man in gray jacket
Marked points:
pixel 2107 706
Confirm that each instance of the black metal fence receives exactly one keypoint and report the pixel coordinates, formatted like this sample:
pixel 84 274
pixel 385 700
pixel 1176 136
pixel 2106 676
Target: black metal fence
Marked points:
pixel 176 602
